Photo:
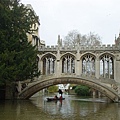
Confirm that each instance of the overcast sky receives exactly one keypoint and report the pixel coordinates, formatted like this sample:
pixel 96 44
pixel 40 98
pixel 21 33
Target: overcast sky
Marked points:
pixel 58 17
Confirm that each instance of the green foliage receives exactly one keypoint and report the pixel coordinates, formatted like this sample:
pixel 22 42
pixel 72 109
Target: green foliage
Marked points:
pixel 53 89
pixel 82 90
pixel 73 87
pixel 17 55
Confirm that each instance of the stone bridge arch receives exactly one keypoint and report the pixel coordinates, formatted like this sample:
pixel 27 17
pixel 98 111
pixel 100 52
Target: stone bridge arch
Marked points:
pixel 41 84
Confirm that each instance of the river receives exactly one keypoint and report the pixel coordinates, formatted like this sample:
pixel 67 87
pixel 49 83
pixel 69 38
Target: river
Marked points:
pixel 72 108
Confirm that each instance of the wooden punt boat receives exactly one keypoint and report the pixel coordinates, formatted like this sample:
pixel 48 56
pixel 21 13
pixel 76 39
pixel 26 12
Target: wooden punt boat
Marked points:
pixel 55 99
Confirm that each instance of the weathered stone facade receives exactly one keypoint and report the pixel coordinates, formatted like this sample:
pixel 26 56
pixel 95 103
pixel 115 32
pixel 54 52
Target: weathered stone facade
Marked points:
pixel 94 66
pixel 102 61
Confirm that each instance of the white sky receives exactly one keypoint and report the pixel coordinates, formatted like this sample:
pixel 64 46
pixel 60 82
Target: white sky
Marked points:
pixel 58 17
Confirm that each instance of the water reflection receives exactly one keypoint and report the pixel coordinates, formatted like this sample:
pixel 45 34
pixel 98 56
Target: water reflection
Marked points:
pixel 73 109
pixel 69 109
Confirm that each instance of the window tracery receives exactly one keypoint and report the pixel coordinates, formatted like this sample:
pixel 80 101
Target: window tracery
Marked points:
pixel 106 66
pixel 68 64
pixel 49 65
pixel 88 65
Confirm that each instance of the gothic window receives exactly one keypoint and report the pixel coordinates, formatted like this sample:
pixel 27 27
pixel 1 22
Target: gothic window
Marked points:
pixel 106 66
pixel 68 64
pixel 88 65
pixel 48 65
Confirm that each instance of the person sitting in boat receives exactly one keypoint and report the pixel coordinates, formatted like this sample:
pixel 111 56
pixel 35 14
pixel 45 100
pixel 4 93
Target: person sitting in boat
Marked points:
pixel 56 97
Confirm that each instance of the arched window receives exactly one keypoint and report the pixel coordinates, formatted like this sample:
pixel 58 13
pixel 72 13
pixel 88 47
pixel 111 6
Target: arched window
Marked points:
pixel 48 65
pixel 68 64
pixel 88 65
pixel 107 66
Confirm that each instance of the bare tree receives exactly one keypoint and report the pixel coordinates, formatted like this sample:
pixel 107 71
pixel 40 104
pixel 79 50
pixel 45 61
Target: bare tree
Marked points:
pixel 93 39
pixel 71 38
pixel 74 37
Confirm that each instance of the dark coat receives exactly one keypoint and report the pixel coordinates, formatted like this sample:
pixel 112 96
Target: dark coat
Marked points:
pixel 60 91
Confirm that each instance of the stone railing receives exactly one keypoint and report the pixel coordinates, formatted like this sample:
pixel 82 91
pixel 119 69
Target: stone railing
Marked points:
pixel 80 48
pixel 82 76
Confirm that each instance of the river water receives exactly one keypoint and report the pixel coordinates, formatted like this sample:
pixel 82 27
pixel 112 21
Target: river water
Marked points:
pixel 72 108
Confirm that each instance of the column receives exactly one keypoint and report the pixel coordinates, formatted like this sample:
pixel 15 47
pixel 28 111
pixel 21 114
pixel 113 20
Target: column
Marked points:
pixel 80 66
pixel 46 66
pixel 53 66
pixel 114 69
pixel 58 64
pixel 94 93
pixel 104 67
pixel 109 68
pixel 78 63
pixel 40 66
pixel 99 94
pixel 50 65
pixel 97 68
pixel 70 65
pixel 59 67
pixel 65 64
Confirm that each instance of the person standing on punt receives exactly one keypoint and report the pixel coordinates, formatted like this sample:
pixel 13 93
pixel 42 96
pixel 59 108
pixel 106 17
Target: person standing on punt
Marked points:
pixel 60 92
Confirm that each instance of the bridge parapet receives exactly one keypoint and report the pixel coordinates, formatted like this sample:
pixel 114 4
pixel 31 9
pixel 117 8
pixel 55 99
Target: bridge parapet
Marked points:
pixel 109 82
pixel 81 48
pixel 92 77
pixel 83 76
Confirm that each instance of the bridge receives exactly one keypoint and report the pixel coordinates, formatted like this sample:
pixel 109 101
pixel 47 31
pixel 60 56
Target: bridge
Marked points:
pixel 95 66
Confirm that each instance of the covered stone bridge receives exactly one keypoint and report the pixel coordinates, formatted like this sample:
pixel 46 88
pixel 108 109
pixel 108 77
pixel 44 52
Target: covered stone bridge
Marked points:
pixel 102 85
